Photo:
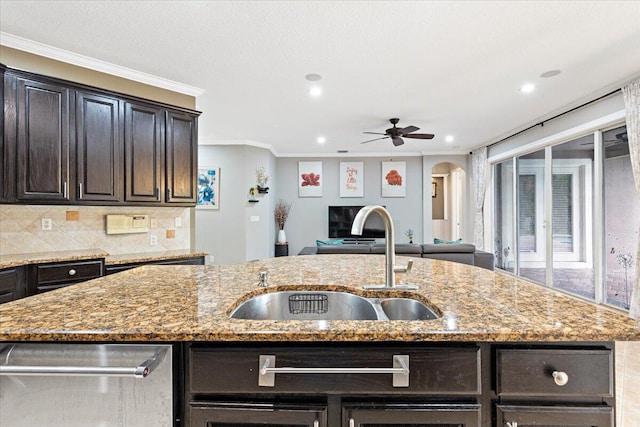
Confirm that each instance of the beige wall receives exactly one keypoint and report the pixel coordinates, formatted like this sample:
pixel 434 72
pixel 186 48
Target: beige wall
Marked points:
pixel 37 64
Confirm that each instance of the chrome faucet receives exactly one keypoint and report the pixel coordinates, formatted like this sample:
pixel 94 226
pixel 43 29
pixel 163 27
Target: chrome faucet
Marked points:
pixel 390 248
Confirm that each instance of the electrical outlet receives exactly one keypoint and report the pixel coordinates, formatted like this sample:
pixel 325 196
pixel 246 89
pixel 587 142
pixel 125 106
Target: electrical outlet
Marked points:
pixel 153 240
pixel 178 221
pixel 46 224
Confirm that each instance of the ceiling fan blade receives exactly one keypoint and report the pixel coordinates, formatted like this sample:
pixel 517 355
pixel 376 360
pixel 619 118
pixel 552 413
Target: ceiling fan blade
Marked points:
pixel 384 137
pixel 409 129
pixel 374 133
pixel 420 135
pixel 397 140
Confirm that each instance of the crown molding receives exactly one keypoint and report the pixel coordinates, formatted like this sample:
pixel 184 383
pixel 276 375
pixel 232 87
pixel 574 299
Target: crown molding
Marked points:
pixel 72 58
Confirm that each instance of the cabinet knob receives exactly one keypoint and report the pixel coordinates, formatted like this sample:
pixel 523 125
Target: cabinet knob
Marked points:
pixel 72 272
pixel 560 378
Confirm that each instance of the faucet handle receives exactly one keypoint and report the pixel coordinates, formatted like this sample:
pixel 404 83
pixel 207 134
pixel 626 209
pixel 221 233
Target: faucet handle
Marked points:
pixel 262 275
pixel 404 268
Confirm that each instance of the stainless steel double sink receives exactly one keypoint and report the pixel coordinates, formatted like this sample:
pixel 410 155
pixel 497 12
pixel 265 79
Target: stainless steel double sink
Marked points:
pixel 330 305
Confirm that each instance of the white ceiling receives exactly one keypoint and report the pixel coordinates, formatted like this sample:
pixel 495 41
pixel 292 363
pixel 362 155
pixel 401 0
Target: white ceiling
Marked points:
pixel 446 67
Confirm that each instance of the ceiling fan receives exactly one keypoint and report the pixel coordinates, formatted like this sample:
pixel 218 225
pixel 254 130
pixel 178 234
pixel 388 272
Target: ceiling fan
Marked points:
pixel 396 134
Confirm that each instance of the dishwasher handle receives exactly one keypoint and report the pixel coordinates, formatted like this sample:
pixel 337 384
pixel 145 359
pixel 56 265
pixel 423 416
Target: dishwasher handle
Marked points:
pixel 143 370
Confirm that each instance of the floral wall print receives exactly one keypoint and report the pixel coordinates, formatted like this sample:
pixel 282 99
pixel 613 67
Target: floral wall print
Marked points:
pixel 351 179
pixel 394 182
pixel 208 188
pixel 309 179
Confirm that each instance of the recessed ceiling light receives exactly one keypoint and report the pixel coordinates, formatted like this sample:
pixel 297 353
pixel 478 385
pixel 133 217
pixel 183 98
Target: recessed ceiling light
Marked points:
pixel 448 138
pixel 321 140
pixel 527 88
pixel 550 73
pixel 313 77
pixel 315 91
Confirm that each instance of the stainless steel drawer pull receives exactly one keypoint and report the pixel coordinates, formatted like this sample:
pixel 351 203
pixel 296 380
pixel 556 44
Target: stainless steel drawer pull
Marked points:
pixel 72 272
pixel 268 371
pixel 141 371
pixel 560 378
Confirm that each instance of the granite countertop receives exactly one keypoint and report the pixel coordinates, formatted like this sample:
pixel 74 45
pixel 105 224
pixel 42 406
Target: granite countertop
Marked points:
pixel 16 260
pixel 192 303
pixel 151 256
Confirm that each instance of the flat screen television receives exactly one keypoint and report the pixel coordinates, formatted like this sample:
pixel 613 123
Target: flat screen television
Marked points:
pixel 341 220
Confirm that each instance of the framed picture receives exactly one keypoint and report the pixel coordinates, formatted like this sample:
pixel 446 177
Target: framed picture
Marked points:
pixel 394 179
pixel 351 179
pixel 309 179
pixel 208 188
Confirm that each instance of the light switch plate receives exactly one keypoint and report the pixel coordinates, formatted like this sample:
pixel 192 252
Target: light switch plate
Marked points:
pixel 153 240
pixel 46 224
pixel 177 221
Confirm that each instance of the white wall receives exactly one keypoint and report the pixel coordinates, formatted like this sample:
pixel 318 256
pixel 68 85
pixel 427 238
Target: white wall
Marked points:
pixel 308 219
pixel 229 234
pixel 466 226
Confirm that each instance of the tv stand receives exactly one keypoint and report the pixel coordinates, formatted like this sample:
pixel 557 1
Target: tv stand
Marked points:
pixel 358 241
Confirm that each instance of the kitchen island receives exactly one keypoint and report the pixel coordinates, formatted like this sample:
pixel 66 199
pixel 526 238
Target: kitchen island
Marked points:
pixel 183 303
pixel 484 361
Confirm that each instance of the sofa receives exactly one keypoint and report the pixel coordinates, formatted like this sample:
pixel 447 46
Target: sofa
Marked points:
pixel 464 253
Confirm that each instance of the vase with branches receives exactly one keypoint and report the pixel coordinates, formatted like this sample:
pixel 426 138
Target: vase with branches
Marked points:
pixel 281 213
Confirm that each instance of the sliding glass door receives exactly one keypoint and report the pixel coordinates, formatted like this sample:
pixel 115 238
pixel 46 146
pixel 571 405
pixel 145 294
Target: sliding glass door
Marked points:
pixel 621 213
pixel 566 216
pixel 572 211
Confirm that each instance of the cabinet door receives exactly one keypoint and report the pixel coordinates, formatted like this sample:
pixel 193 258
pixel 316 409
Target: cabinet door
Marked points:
pixel 143 140
pixel 414 415
pixel 554 416
pixel 181 158
pixel 98 141
pixel 43 141
pixel 12 284
pixel 256 414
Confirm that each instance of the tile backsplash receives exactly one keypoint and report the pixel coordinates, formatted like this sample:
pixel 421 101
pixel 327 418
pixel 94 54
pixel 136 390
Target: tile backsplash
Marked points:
pixel 83 227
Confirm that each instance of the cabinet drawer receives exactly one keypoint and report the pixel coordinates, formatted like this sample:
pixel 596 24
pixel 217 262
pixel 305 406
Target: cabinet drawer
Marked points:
pixel 558 415
pixel 433 370
pixel 68 272
pixel 530 372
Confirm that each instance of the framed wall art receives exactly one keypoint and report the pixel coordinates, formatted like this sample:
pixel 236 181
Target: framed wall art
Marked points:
pixel 351 179
pixel 208 188
pixel 394 179
pixel 309 179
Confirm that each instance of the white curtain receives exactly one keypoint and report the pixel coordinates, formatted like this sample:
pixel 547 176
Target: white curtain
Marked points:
pixel 631 94
pixel 479 165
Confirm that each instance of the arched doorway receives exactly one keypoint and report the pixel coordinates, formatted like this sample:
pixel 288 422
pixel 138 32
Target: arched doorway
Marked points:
pixel 447 201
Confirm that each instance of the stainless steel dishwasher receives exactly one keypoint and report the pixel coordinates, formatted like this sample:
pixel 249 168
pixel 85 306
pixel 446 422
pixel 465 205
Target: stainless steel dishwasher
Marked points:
pixel 100 385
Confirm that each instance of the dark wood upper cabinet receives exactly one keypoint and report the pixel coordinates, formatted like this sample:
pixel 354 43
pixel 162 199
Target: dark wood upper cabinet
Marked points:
pixel 42 141
pixel 98 146
pixel 143 141
pixel 64 142
pixel 181 163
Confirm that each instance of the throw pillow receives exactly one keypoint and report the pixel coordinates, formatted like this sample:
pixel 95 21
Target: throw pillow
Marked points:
pixel 446 242
pixel 329 242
